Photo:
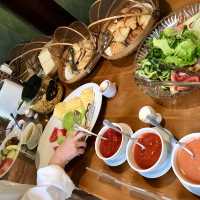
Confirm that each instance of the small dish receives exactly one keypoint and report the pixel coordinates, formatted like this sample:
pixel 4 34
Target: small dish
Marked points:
pixel 161 166
pixel 108 89
pixel 119 157
pixel 192 187
pixel 7 160
pixel 31 135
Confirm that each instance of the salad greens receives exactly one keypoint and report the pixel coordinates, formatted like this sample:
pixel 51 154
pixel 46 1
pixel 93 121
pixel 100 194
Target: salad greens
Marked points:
pixel 175 48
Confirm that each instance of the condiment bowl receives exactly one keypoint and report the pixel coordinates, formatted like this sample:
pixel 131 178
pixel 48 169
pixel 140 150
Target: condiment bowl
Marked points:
pixel 194 188
pixel 120 156
pixel 2 146
pixel 161 166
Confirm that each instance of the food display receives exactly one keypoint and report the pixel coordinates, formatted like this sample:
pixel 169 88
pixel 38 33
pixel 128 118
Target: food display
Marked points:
pixel 58 136
pixel 167 65
pixel 70 53
pixel 41 94
pixel 127 24
pixel 77 57
pixel 110 146
pixel 49 58
pixel 50 94
pixel 79 52
pixel 31 134
pixel 81 107
pixel 174 55
pixel 24 61
pixel 76 110
pixel 8 154
pixel 146 158
pixel 168 59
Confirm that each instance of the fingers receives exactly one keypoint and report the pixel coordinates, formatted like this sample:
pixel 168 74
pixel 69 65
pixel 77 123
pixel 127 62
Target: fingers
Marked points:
pixel 79 136
pixel 81 145
pixel 81 151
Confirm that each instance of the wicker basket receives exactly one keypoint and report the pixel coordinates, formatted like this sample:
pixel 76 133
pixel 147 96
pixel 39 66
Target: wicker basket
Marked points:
pixel 106 14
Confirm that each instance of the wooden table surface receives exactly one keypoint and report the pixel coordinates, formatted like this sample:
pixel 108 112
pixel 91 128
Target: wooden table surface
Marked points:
pixel 123 108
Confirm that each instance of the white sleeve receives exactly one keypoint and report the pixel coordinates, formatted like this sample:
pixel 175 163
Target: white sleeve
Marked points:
pixel 52 184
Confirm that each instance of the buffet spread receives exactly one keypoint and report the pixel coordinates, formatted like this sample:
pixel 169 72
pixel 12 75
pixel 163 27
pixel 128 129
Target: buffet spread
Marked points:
pixel 167 68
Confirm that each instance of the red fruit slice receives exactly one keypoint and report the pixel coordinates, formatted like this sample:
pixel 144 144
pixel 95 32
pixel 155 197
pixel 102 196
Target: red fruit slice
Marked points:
pixel 53 136
pixel 5 165
pixel 183 77
pixel 61 132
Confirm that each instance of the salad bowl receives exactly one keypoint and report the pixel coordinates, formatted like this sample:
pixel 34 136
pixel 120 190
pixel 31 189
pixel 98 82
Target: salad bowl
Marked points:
pixel 167 61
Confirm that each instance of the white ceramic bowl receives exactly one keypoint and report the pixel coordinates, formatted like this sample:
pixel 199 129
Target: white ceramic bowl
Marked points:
pixel 155 170
pixel 17 153
pixel 120 156
pixel 108 89
pixel 194 188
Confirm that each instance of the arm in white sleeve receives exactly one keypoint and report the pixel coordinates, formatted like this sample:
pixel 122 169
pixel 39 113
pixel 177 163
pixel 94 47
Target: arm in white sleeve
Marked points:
pixel 52 184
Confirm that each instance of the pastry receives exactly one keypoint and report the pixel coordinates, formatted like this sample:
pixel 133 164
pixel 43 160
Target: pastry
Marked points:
pixel 134 34
pixel 121 34
pixel 131 22
pixel 117 47
pixel 143 20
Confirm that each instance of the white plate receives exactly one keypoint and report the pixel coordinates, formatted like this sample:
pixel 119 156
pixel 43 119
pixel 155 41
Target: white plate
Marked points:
pixel 45 149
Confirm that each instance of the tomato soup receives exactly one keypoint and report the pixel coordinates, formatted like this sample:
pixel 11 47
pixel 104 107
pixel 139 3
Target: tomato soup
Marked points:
pixel 188 166
pixel 110 146
pixel 146 158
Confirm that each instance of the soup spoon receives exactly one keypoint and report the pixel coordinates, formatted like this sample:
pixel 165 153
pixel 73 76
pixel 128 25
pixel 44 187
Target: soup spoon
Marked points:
pixel 112 126
pixel 153 122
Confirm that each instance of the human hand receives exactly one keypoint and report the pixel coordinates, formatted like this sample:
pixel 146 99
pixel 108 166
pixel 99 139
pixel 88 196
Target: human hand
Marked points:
pixel 69 150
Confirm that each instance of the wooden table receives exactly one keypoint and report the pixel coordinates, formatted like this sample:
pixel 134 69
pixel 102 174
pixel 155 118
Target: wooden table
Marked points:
pixel 124 108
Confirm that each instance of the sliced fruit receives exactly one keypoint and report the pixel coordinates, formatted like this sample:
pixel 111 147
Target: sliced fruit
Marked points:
pixel 11 147
pixel 54 135
pixel 68 121
pixel 11 154
pixel 6 164
pixel 4 152
pixel 61 132
pixel 61 139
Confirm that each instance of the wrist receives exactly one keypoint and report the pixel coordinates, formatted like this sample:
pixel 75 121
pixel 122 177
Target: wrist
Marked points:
pixel 58 161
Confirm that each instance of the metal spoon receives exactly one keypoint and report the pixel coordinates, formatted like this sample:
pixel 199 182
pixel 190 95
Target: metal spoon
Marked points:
pixel 153 122
pixel 79 128
pixel 111 125
pixel 16 122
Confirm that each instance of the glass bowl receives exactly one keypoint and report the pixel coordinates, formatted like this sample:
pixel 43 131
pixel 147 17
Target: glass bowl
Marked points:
pixel 157 89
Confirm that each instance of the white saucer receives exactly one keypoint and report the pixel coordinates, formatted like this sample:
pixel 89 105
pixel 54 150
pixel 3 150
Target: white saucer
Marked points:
pixel 163 169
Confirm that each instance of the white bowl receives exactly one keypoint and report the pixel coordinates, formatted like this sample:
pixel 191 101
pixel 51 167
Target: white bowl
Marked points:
pixel 194 188
pixel 153 171
pixel 120 156
pixel 17 153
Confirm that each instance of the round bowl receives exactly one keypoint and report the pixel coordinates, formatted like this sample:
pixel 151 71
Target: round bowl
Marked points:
pixel 14 134
pixel 194 188
pixel 154 89
pixel 120 156
pixel 158 166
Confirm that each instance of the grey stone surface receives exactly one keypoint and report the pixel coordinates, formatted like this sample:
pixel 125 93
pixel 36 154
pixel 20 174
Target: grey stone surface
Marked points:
pixel 13 30
pixel 78 8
